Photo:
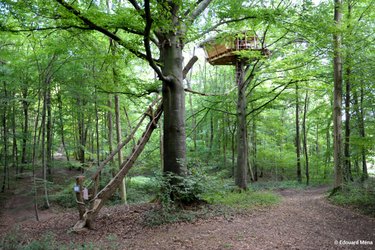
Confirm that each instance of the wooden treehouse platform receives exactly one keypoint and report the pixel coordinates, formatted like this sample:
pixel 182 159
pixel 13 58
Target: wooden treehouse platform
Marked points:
pixel 222 51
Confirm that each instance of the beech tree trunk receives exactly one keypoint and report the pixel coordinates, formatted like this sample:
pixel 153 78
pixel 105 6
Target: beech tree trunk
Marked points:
pixel 81 133
pixel 225 139
pixel 48 131
pixel 60 107
pixel 110 126
pixel 119 139
pixel 174 140
pixel 363 135
pixel 298 140
pixel 33 157
pixel 242 147
pixel 337 106
pixel 5 139
pixel 43 153
pixel 328 150
pixel 348 171
pixel 211 132
pixel 25 135
pixel 14 135
pixel 307 174
pixel 347 161
pixel 358 106
pixel 254 149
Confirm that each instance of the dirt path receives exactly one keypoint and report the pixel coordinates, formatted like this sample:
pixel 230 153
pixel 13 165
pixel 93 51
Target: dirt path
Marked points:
pixel 303 220
pixel 19 204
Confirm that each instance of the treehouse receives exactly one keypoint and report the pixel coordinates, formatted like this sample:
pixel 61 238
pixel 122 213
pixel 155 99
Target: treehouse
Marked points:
pixel 223 50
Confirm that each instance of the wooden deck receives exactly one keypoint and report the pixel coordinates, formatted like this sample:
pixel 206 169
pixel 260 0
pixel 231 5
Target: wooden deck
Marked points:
pixel 222 51
pixel 229 57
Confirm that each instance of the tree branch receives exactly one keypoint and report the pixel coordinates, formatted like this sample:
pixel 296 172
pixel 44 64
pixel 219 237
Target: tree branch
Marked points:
pixel 142 94
pixel 102 30
pixel 201 6
pixel 146 41
pixel 217 25
pixel 274 98
pixel 188 66
pixel 135 5
pixel 45 28
pixel 199 93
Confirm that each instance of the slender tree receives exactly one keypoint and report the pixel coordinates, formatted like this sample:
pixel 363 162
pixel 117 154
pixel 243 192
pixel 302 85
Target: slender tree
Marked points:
pixel 25 135
pixel 304 131
pixel 5 137
pixel 348 76
pixel 298 140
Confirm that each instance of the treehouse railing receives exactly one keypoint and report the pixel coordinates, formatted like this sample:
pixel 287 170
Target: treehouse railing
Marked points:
pixel 221 51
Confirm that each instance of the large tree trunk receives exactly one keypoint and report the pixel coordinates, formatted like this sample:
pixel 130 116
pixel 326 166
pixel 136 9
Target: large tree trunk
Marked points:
pixel 174 140
pixel 337 116
pixel 242 147
pixel 298 140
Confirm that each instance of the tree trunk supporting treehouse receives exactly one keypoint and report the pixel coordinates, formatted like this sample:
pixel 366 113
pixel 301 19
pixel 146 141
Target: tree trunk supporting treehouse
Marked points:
pixel 223 51
pixel 242 147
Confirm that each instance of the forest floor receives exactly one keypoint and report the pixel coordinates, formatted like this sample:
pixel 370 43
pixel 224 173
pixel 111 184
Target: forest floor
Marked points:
pixel 304 219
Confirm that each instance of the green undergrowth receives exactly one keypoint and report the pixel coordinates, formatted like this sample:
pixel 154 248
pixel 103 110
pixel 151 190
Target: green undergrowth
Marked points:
pixel 244 200
pixel 206 197
pixel 213 204
pixel 288 184
pixel 141 189
pixel 357 195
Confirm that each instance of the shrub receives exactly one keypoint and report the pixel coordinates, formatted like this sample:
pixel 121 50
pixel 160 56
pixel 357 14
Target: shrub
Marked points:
pixel 358 195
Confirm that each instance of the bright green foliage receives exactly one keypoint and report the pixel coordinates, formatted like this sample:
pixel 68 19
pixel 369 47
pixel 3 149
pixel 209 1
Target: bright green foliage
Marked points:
pixel 298 33
pixel 360 196
pixel 244 200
